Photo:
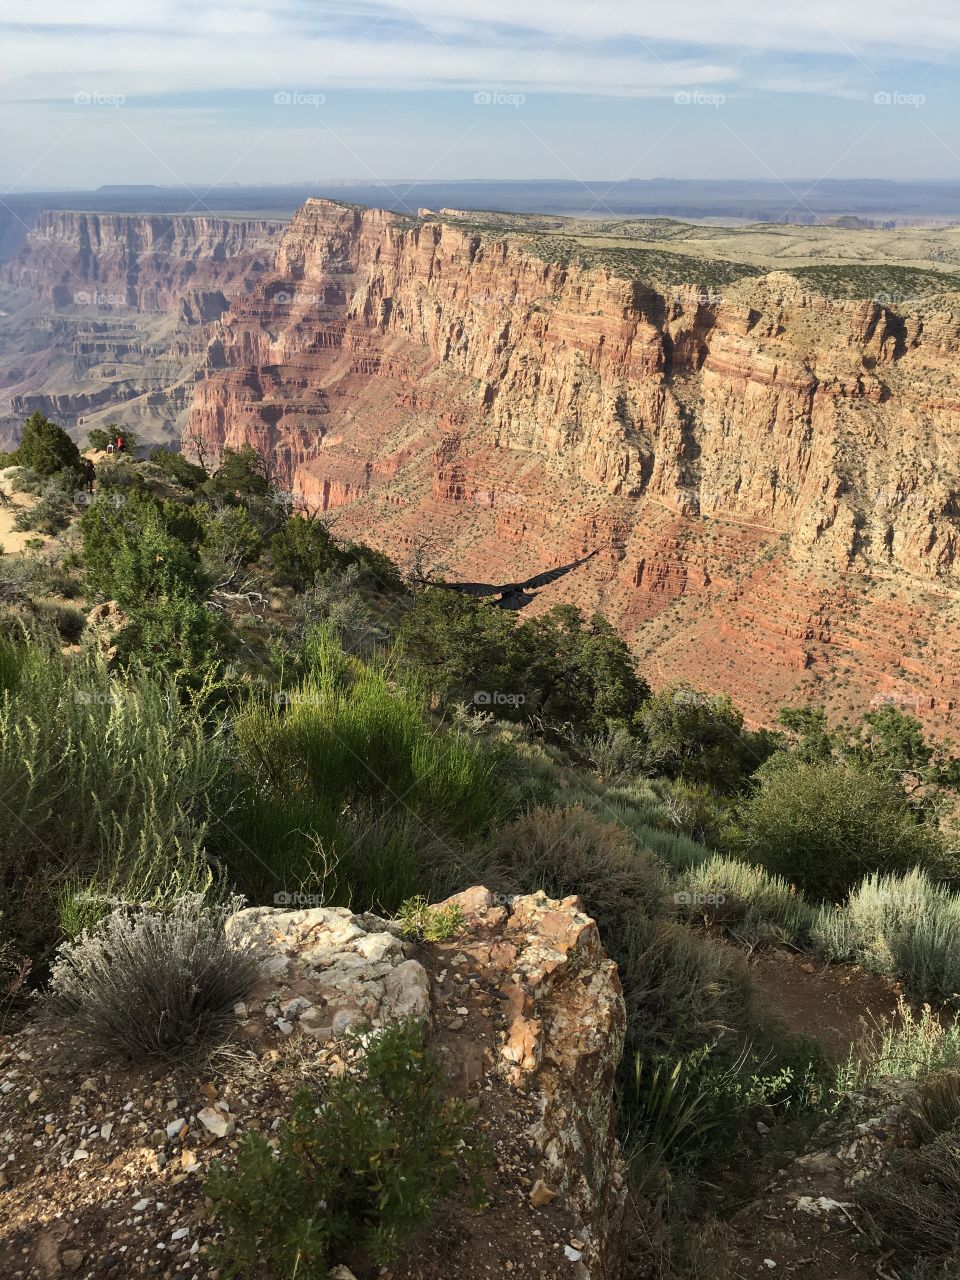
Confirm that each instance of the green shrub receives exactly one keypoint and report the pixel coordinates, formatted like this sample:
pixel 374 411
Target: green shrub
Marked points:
pixel 417 919
pixel 105 789
pixel 570 851
pixel 615 755
pixel 362 1165
pixel 242 474
pixel 826 826
pixel 12 657
pixel 178 468
pixel 344 779
pixel 130 553
pixel 300 550
pixel 45 447
pixel 230 540
pixel 682 991
pixel 700 737
pixel 679 1113
pixel 152 983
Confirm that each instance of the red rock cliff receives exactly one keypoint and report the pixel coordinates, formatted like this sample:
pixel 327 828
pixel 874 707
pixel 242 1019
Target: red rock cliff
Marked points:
pixel 773 476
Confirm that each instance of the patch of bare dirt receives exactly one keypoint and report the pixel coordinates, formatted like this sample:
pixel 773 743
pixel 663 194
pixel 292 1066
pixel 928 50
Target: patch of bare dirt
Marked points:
pixel 839 1006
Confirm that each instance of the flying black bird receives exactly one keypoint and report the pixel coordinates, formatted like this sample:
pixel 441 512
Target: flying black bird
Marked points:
pixel 513 595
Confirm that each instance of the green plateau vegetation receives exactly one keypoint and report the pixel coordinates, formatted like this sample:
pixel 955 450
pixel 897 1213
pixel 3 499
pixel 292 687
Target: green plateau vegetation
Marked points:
pixel 205 695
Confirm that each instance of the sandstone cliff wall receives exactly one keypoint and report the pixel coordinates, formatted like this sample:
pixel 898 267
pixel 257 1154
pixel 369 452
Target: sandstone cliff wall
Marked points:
pixel 786 464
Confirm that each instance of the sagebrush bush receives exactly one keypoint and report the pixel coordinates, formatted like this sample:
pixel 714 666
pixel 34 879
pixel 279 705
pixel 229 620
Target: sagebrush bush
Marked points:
pixel 615 755
pixel 906 926
pixel 916 1202
pixel 682 991
pixel 913 1046
pixel 361 1165
pixel 825 826
pixel 570 851
pixel 152 983
pixel 759 906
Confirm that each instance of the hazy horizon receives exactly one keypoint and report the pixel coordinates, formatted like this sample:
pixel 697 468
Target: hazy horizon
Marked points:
pixel 251 93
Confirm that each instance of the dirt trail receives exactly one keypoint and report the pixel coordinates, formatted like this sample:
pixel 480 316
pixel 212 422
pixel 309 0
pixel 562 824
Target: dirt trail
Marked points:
pixel 13 540
pixel 839 1006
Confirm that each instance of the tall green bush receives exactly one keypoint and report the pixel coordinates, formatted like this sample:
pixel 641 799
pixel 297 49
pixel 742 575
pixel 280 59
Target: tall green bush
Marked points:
pixel 825 826
pixel 104 792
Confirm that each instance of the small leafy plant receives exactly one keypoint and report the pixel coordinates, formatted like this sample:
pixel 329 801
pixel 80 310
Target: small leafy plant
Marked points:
pixel 363 1163
pixel 432 924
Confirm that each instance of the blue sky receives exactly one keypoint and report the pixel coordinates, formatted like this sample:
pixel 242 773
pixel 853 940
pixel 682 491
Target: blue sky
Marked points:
pixel 401 89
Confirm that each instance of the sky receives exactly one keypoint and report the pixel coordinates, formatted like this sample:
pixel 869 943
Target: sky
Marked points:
pixel 182 93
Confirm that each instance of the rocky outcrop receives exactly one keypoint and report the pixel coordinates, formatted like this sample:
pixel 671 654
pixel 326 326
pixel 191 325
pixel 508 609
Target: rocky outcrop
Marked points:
pixel 751 459
pixel 521 1004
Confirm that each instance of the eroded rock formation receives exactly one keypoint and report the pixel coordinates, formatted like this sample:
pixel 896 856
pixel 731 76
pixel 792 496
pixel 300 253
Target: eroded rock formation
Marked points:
pixel 773 476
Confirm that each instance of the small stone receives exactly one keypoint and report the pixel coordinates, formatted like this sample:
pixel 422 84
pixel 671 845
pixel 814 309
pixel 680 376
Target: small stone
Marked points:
pixel 214 1122
pixel 571 1254
pixel 106 1131
pixel 805 968
pixel 541 1194
pixel 72 1259
pixel 769 1264
pixel 177 1128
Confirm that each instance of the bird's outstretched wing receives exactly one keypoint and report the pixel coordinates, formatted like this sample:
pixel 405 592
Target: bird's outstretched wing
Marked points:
pixel 551 575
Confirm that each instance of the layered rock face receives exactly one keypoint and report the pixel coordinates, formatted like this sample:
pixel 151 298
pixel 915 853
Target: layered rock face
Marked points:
pixel 144 261
pixel 773 477
pixel 105 317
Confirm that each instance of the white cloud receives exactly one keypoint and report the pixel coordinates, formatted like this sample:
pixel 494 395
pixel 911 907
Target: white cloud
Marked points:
pixel 610 47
